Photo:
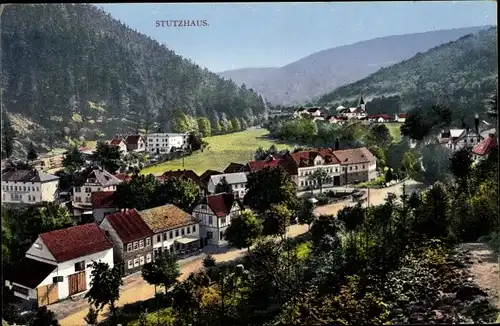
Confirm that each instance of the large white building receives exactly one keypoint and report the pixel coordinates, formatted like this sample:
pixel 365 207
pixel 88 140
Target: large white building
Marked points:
pixel 163 143
pixel 59 264
pixel 29 187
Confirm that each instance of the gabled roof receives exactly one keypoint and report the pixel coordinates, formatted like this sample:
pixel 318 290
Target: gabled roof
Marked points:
pixel 103 177
pixel 483 147
pixel 29 272
pixel 286 163
pixel 133 139
pixel 116 141
pixel 306 158
pixel 383 116
pixel 234 167
pixel 103 199
pixel 354 156
pixel 166 217
pixel 76 241
pixel 182 174
pixel 129 225
pixel 123 177
pixel 220 204
pixel 206 175
pixel 402 115
pixel 27 176
pixel 231 178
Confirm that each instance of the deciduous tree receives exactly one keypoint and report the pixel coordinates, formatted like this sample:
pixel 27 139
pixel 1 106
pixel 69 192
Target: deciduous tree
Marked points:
pixel 244 230
pixel 223 187
pixel 108 156
pixel 73 160
pixel 320 177
pixel 163 271
pixel 32 155
pixel 104 286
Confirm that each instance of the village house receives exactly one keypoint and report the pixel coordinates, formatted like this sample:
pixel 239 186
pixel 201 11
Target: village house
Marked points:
pixel 174 231
pixel 355 112
pixel 164 143
pixel 400 117
pixel 103 203
pixel 309 161
pixel 181 175
pixel 120 143
pixel 339 120
pixel 205 178
pixel 29 187
pixel 482 149
pixel 299 112
pixel 214 213
pixel 456 139
pixel 286 162
pixel 135 143
pixel 97 180
pixel 131 237
pixel 238 181
pixel 58 265
pixel 380 118
pixel 358 165
pixel 234 168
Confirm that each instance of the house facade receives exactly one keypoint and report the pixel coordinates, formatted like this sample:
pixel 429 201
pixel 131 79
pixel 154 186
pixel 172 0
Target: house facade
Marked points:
pixel 174 230
pixel 214 214
pixel 135 143
pixel 456 139
pixel 29 187
pixel 379 118
pixel 163 143
pixel 238 181
pixel 180 174
pixel 400 117
pixel 120 143
pixel 97 180
pixel 357 165
pixel 482 149
pixel 131 238
pixel 310 161
pixel 59 264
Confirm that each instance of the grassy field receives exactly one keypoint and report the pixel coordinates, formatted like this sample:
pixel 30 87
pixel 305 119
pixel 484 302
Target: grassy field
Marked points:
pixel 222 150
pixel 394 130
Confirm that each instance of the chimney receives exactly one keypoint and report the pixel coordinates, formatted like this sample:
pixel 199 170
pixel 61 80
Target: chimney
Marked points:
pixel 476 122
pixel 337 144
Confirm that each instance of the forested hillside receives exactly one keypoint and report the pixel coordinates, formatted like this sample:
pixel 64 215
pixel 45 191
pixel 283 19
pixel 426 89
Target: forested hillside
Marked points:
pixel 72 70
pixel 461 74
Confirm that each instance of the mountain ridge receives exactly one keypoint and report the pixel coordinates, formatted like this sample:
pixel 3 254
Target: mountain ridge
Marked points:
pixel 319 72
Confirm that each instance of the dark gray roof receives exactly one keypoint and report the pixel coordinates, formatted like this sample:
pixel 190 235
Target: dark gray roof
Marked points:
pixel 27 176
pixel 103 177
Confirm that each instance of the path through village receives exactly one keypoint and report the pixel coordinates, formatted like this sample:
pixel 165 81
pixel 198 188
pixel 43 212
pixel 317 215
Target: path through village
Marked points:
pixel 72 312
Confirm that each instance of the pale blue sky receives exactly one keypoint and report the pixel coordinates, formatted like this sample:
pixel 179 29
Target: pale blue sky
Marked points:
pixel 242 35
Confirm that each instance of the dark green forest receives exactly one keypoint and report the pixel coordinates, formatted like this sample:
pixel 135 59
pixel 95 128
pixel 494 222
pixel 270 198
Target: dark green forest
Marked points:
pixel 75 71
pixel 460 74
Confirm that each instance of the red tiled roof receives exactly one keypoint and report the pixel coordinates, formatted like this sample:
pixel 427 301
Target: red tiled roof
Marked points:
pixel 402 115
pixel 133 139
pixel 29 272
pixel 485 145
pixel 220 204
pixel 354 155
pixel 129 225
pixel 383 116
pixel 76 241
pixel 183 174
pixel 123 177
pixel 103 199
pixel 115 141
pixel 306 158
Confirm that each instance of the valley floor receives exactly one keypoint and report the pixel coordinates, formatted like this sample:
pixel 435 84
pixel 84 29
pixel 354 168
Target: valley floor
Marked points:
pixel 237 147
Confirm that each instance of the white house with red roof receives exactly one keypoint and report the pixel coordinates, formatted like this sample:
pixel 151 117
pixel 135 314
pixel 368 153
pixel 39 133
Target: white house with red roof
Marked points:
pixel 214 214
pixel 135 143
pixel 58 265
pixel 400 117
pixel 309 161
pixel 483 148
pixel 120 143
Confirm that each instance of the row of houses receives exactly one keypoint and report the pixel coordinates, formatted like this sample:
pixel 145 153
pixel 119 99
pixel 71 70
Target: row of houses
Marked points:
pixel 152 143
pixel 343 114
pixel 58 265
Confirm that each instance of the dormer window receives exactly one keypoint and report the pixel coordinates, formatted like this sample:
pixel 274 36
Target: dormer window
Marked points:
pixel 38 246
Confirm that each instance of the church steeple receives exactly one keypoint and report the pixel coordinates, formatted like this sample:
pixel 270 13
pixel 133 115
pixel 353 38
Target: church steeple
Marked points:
pixel 361 103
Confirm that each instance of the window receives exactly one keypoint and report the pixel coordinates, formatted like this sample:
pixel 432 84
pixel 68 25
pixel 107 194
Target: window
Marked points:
pixel 87 199
pixel 98 189
pixel 78 199
pixel 15 188
pixel 88 189
pixel 129 247
pixel 136 262
pixel 38 246
pixel 194 228
pixel 148 242
pixel 19 289
pixel 223 220
pixel 29 197
pixel 141 261
pixel 182 231
pixel 148 258
pixel 210 220
pixel 130 265
pixel 136 245
pixel 188 230
pixel 141 244
pixel 221 235
pixel 24 188
pixel 356 167
pixel 363 166
pixel 170 234
pixel 80 266
pixel 77 189
pixel 37 188
pixel 350 168
pixel 209 235
pixel 158 237
pixel 177 232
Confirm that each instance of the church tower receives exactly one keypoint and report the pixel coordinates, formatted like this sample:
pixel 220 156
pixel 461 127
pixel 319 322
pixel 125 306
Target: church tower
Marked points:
pixel 361 104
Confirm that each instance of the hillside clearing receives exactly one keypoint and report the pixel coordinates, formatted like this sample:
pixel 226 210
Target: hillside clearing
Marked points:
pixel 238 147
pixel 394 129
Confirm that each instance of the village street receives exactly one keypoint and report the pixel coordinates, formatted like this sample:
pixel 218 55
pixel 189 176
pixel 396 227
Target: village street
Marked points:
pixel 72 312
